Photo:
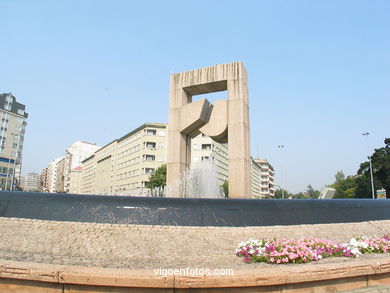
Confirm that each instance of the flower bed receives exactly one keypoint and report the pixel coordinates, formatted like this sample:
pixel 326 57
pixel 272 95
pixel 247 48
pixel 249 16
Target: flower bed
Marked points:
pixel 306 250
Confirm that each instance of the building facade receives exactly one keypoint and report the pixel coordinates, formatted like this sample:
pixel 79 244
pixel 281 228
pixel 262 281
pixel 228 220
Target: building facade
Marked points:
pixel 203 148
pixel 60 176
pixel 49 176
pixel 12 130
pixel 262 179
pixel 75 178
pixel 30 182
pixel 123 166
pixel 74 155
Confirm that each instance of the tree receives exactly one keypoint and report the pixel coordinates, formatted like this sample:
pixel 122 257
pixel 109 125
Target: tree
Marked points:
pixel 380 160
pixel 278 193
pixel 158 178
pixel 345 188
pixel 225 188
pixel 339 176
pixel 311 192
pixel 299 195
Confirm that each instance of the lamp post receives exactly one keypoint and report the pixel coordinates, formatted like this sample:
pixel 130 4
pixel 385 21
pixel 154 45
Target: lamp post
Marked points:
pixel 369 158
pixel 280 189
pixel 16 136
pixel 281 147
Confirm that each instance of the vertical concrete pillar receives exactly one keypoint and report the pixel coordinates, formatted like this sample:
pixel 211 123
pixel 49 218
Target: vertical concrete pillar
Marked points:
pixel 238 134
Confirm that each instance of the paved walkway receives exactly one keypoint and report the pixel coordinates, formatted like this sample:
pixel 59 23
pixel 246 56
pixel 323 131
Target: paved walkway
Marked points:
pixel 151 247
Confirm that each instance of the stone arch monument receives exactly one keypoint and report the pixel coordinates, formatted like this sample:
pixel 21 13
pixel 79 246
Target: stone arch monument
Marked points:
pixel 226 121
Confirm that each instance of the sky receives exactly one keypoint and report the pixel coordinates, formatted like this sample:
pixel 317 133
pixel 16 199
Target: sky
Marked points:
pixel 319 74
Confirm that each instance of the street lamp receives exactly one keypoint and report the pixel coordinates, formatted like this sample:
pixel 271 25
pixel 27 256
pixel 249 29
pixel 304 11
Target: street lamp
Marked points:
pixel 281 147
pixel 369 158
pixel 16 136
pixel 281 190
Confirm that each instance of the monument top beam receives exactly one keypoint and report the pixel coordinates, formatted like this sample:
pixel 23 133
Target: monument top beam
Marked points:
pixel 211 79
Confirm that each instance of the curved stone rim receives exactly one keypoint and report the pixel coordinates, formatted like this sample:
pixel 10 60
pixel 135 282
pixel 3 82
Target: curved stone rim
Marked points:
pixel 248 277
pixel 189 212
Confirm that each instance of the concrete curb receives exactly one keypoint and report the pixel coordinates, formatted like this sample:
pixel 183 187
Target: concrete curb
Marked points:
pixel 246 277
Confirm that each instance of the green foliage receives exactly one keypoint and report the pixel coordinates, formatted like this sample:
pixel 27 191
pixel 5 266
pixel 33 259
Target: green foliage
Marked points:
pixel 225 187
pixel 278 193
pixel 158 178
pixel 359 186
pixel 311 192
pixel 380 160
pixel 299 195
pixel 345 188
pixel 339 176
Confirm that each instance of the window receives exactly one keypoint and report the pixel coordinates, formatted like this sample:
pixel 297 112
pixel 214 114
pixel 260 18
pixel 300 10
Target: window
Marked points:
pixel 150 145
pixel 196 146
pixel 204 158
pixel 150 132
pixel 206 146
pixel 149 157
pixel 149 170
pixel 20 112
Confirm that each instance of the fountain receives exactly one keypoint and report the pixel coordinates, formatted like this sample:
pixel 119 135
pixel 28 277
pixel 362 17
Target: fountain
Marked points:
pixel 198 181
pixel 192 227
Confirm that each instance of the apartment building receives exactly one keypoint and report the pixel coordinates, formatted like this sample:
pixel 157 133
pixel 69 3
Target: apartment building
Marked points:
pixel 203 148
pixel 60 176
pixel 30 182
pixel 12 129
pixel 75 180
pixel 123 166
pixel 262 179
pixel 74 155
pixel 49 176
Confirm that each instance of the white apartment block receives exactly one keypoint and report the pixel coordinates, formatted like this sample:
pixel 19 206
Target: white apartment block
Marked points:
pixel 30 182
pixel 75 180
pixel 49 176
pixel 74 155
pixel 123 166
pixel 262 179
pixel 12 129
pixel 203 148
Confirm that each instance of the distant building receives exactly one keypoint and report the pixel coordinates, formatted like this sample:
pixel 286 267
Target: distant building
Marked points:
pixel 75 177
pixel 74 155
pixel 49 176
pixel 60 176
pixel 30 182
pixel 204 148
pixel 12 129
pixel 123 166
pixel 262 179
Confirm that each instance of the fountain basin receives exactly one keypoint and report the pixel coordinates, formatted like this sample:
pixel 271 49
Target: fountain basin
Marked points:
pixel 189 212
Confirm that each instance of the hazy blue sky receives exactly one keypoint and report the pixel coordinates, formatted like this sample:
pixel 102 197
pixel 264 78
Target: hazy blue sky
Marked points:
pixel 319 73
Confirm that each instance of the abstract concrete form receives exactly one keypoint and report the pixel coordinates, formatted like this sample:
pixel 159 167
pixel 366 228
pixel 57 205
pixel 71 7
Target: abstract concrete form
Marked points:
pixel 226 121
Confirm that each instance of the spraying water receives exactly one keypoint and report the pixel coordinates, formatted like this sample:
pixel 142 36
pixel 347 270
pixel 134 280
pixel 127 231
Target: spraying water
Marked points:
pixel 199 181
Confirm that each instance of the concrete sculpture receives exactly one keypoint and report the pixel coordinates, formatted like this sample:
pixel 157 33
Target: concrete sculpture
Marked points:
pixel 226 121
